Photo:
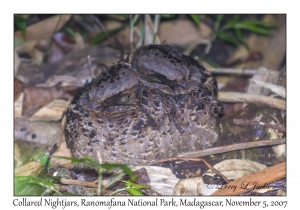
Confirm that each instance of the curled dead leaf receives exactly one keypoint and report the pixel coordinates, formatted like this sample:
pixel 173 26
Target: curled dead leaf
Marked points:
pixel 191 186
pixel 28 169
pixel 162 179
pixel 18 88
pixel 236 168
pixel 47 133
pixel 37 97
pixel 44 29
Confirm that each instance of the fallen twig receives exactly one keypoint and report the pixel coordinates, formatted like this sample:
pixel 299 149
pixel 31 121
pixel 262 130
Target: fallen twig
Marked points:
pixel 250 98
pixel 254 181
pixel 232 71
pixel 274 88
pixel 81 183
pixel 250 122
pixel 233 147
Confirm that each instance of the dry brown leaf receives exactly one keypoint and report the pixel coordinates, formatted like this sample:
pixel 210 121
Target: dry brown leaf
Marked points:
pixel 37 97
pixel 183 32
pixel 55 54
pixel 17 156
pixel 75 64
pixel 28 169
pixel 236 168
pixel 162 179
pixel 44 29
pixel 279 150
pixel 63 151
pixel 265 75
pixel 47 133
pixel 63 81
pixel 51 112
pixel 192 186
pixel 16 62
pixel 123 35
pixel 18 88
pixel 80 45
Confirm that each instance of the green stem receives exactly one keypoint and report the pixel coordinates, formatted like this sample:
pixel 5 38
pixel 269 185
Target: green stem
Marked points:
pixel 100 178
pixel 156 24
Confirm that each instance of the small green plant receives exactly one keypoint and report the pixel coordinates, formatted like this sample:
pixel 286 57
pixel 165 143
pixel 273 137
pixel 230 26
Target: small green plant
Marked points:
pixel 41 157
pixel 20 22
pixel 34 185
pixel 196 18
pixel 132 188
pixel 236 26
pixel 43 184
pixel 104 35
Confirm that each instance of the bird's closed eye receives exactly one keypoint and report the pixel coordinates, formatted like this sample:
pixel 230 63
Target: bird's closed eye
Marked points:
pixel 123 99
pixel 154 78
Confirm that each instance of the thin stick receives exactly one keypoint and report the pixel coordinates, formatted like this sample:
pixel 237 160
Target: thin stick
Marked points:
pixel 274 88
pixel 81 183
pixel 156 24
pixel 250 122
pixel 251 98
pixel 233 147
pixel 232 71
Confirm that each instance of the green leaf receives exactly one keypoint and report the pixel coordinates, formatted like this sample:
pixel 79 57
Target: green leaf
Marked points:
pixel 167 15
pixel 232 21
pixel 142 31
pixel 220 17
pixel 260 23
pixel 239 34
pixel 252 27
pixel 41 157
pixel 125 168
pixel 211 63
pixel 240 37
pixel 134 191
pixel 87 161
pixel 31 185
pixel 218 22
pixel 196 18
pixel 18 42
pixel 227 37
pixel 70 31
pixel 102 36
pixel 126 16
pixel 20 22
pixel 91 162
pixel 132 188
pixel 25 16
pixel 137 186
pixel 118 177
pixel 116 191
pixel 135 19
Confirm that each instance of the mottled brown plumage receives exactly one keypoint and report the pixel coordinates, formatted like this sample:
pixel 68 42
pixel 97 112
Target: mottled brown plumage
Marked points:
pixel 160 104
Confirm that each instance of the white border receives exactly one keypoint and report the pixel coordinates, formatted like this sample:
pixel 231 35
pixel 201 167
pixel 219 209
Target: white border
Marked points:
pixel 8 8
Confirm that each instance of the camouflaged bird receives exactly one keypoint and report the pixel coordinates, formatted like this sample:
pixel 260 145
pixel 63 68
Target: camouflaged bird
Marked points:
pixel 160 104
